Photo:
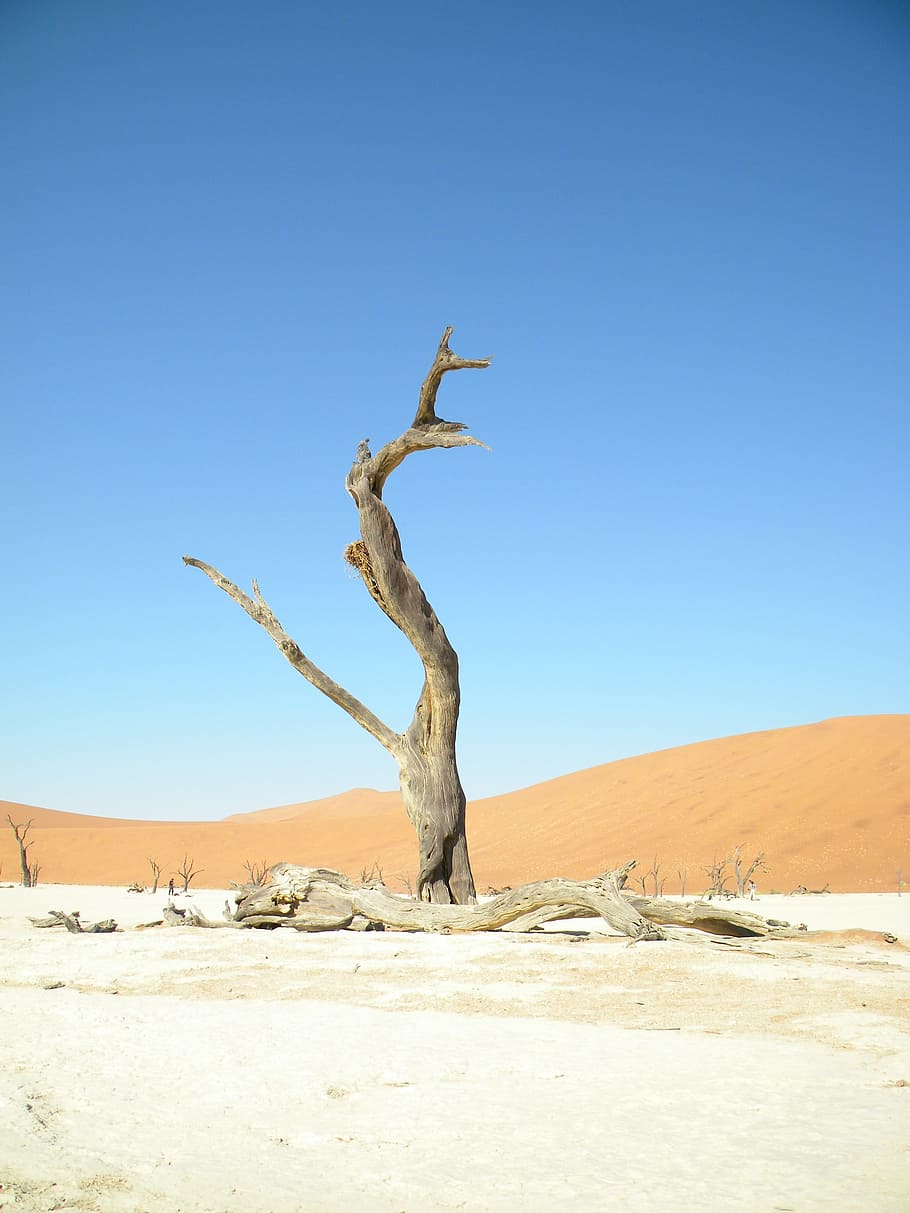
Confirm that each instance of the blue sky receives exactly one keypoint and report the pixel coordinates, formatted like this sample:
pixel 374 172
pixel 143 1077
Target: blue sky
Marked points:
pixel 233 234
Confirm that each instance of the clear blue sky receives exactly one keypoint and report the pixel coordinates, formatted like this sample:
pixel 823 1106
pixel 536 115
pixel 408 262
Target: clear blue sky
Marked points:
pixel 232 236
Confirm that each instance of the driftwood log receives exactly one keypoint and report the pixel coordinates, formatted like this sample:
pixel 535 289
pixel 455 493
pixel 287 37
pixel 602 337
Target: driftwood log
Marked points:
pixel 319 899
pixel 74 924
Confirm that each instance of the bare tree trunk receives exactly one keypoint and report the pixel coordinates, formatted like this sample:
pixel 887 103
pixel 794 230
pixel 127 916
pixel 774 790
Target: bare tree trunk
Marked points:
pixel 187 871
pixel 29 875
pixel 425 752
pixel 743 878
pixel 156 873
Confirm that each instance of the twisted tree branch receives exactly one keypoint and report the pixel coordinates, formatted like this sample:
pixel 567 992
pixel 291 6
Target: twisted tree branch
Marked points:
pixel 445 360
pixel 260 611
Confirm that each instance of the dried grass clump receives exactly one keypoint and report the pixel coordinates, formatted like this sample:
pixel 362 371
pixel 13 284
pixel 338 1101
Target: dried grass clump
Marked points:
pixel 357 556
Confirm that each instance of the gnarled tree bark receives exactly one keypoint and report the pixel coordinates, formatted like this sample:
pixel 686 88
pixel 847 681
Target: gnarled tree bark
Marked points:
pixel 425 752
pixel 319 899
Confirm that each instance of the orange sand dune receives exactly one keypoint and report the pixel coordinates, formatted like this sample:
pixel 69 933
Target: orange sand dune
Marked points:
pixel 826 803
pixel 355 803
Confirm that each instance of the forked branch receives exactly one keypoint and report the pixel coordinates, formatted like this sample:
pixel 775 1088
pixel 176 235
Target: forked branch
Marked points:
pixel 375 470
pixel 445 360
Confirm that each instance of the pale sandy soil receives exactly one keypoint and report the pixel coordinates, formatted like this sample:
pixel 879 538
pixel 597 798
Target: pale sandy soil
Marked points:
pixel 220 1071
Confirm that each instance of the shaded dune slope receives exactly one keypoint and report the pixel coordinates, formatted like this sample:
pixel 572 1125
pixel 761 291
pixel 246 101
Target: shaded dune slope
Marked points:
pixel 827 803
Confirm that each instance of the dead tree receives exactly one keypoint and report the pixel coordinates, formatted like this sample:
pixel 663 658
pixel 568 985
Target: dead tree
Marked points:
pixel 743 877
pixel 717 875
pixel 682 872
pixel 425 752
pixel 372 877
pixel 29 873
pixel 74 923
pixel 657 881
pixel 187 871
pixel 156 873
pixel 257 872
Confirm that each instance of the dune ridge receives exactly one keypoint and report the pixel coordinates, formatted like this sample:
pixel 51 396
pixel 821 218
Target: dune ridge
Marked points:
pixel 827 803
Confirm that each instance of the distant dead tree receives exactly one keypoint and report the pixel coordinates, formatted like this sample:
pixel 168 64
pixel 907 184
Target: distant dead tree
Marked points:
pixel 29 873
pixel 187 871
pixel 900 880
pixel 743 877
pixel 717 877
pixel 156 873
pixel 369 877
pixel 657 881
pixel 257 872
pixel 682 872
pixel 425 751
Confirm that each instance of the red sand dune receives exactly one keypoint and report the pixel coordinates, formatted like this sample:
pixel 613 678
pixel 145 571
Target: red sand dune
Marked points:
pixel 826 803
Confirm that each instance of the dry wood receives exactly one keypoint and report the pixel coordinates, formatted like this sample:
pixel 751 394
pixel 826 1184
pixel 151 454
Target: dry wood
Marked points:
pixel 74 924
pixel 319 899
pixel 156 872
pixel 20 830
pixel 174 917
pixel 709 916
pixel 54 919
pixel 425 752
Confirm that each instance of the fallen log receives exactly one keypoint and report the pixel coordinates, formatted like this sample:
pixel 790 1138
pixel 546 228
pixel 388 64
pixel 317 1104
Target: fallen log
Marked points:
pixel 73 923
pixel 54 919
pixel 704 916
pixel 174 917
pixel 710 917
pixel 320 899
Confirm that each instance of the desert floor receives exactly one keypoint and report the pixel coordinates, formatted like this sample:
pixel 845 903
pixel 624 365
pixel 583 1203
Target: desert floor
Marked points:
pixel 182 1069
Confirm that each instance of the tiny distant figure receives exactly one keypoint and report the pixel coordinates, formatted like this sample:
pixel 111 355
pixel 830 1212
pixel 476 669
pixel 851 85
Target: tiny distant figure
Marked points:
pixel 170 887
pixel 751 890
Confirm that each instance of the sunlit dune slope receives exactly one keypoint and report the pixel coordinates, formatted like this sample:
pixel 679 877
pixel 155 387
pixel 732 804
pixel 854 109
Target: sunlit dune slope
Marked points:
pixel 827 803
pixel 358 802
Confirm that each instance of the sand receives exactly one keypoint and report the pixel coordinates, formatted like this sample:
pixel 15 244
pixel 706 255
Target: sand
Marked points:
pixel 218 1071
pixel 826 803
